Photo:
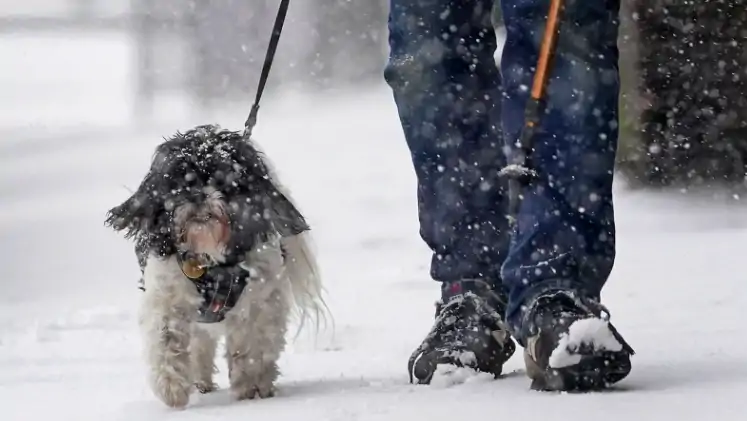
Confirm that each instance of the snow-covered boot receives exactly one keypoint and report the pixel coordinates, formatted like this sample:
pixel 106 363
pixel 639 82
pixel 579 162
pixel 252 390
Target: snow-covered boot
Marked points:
pixel 468 332
pixel 575 348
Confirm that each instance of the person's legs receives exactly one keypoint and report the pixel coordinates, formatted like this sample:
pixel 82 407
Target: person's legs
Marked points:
pixel 447 89
pixel 565 234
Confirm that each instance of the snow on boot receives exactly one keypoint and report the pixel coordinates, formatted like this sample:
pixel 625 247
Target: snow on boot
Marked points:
pixel 468 332
pixel 576 348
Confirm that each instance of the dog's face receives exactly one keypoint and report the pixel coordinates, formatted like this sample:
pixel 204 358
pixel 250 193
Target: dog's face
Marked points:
pixel 210 193
pixel 202 225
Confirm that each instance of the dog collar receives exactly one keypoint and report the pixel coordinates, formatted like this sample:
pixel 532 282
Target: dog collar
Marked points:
pixel 220 286
pixel 192 269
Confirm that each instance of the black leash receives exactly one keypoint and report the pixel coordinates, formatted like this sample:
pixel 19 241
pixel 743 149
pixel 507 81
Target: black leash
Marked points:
pixel 251 121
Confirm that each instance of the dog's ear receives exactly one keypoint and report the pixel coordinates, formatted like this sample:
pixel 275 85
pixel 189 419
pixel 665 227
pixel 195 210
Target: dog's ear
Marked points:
pixel 278 211
pixel 285 217
pixel 137 214
pixel 142 217
pixel 261 217
pixel 143 214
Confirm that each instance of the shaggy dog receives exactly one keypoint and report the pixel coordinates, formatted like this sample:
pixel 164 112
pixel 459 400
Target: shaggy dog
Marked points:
pixel 223 252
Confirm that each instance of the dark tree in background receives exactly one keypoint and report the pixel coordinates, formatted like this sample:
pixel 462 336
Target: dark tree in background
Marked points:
pixel 692 75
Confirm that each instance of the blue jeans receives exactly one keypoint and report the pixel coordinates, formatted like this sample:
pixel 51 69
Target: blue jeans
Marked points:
pixel 461 117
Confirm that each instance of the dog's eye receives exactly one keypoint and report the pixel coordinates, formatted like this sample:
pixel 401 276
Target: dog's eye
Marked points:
pixel 218 178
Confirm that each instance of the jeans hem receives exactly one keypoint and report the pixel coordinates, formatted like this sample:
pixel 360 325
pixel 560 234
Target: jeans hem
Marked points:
pixel 522 308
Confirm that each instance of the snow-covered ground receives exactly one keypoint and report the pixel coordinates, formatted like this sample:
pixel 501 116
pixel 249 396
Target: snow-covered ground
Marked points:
pixel 69 348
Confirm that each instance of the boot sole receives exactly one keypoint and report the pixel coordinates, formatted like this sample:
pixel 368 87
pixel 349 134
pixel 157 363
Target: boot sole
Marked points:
pixel 593 373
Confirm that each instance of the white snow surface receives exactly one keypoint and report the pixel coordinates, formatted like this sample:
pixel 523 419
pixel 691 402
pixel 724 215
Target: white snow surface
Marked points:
pixel 591 331
pixel 70 350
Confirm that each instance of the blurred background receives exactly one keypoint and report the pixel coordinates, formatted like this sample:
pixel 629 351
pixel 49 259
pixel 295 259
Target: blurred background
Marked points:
pixel 149 56
pixel 137 62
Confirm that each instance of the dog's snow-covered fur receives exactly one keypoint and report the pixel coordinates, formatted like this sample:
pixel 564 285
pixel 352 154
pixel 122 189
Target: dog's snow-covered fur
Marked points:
pixel 211 193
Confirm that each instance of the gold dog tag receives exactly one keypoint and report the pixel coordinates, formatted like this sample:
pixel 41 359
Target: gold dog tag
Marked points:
pixel 192 269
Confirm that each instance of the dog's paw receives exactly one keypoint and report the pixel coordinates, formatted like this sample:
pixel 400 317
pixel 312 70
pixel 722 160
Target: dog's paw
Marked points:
pixel 253 390
pixel 171 391
pixel 206 387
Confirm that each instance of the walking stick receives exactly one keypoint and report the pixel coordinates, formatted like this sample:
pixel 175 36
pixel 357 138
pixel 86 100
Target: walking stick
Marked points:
pixel 520 171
